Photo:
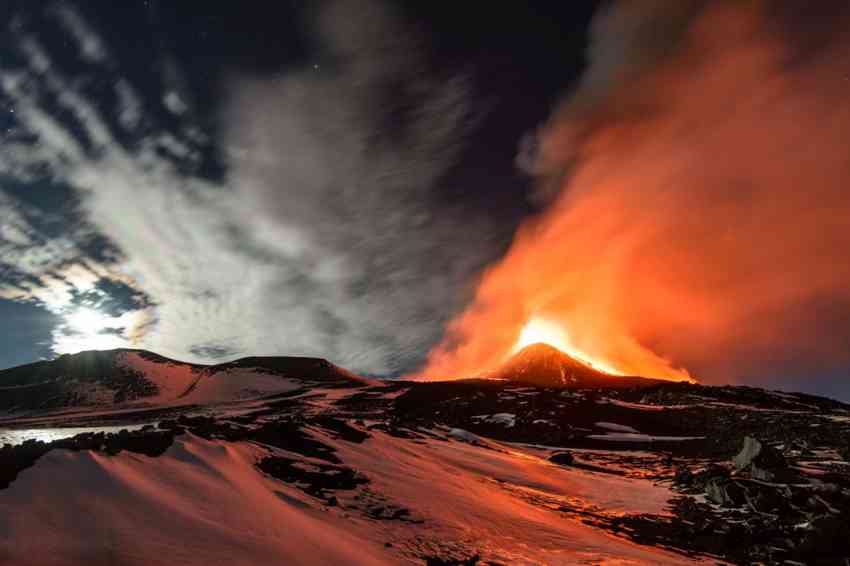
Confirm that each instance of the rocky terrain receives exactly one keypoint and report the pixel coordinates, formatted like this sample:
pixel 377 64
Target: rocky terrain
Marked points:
pixel 555 463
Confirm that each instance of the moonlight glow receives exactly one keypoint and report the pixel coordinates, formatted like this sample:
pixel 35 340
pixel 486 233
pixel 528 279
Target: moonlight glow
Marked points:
pixel 89 329
pixel 87 320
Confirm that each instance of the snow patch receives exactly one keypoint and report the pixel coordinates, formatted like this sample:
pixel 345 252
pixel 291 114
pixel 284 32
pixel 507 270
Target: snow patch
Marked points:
pixel 19 436
pixel 239 383
pixel 506 419
pixel 631 437
pixel 172 379
pixel 616 427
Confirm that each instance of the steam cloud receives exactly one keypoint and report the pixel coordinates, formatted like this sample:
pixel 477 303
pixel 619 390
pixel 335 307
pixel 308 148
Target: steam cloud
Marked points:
pixel 700 213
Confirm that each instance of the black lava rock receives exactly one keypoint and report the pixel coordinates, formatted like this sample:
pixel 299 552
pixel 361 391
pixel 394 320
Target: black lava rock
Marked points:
pixel 563 458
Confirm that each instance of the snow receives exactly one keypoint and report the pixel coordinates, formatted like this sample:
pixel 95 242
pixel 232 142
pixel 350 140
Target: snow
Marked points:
pixel 200 503
pixel 752 408
pixel 838 418
pixel 464 435
pixel 205 502
pixel 533 391
pixel 237 384
pixel 632 437
pixel 640 406
pixel 19 436
pixel 184 384
pixel 451 485
pixel 616 427
pixel 506 419
pixel 172 379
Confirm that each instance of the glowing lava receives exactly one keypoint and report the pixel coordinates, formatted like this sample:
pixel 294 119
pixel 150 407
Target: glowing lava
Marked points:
pixel 538 330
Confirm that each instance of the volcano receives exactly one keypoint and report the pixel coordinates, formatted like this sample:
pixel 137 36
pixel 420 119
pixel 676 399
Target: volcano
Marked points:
pixel 543 365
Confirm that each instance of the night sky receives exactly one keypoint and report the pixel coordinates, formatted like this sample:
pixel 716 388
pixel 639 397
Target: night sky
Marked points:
pixel 152 102
pixel 210 180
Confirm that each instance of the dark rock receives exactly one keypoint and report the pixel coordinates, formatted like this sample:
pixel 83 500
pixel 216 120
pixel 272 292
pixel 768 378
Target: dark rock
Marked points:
pixel 288 434
pixel 759 460
pixel 827 541
pixel 725 492
pixel 313 479
pixel 170 424
pixel 342 429
pixel 563 458
pixel 439 561
pixel 683 476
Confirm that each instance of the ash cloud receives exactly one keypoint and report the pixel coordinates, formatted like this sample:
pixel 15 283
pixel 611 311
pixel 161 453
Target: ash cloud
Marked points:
pixel 699 213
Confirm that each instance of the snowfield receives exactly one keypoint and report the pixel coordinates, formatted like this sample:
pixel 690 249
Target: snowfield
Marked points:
pixel 204 502
pixel 140 460
pixel 200 503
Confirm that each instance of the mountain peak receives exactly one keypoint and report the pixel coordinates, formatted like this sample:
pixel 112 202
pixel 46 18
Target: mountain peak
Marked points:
pixel 544 365
pixel 543 349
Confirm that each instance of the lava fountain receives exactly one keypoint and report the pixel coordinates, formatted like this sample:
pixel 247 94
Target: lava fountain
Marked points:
pixel 540 331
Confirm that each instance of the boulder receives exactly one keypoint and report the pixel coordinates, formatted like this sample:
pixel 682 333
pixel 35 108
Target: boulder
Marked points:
pixel 759 460
pixel 683 476
pixel 563 458
pixel 725 492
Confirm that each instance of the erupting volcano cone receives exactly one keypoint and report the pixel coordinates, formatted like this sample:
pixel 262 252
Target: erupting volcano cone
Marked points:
pixel 543 365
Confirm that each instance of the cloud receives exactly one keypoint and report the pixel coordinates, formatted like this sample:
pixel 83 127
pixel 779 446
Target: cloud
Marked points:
pixel 325 236
pixel 91 48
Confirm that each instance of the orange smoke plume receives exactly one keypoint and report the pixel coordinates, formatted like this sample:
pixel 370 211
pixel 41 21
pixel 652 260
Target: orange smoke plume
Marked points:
pixel 701 216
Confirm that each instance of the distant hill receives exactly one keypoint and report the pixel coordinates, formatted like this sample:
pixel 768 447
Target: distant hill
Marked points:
pixel 126 376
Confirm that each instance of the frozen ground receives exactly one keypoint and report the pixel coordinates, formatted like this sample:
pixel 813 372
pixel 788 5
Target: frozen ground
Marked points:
pixel 327 469
pixel 205 502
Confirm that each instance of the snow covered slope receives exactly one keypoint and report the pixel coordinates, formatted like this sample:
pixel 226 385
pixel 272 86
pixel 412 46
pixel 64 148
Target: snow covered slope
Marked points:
pixel 133 377
pixel 205 502
pixel 337 470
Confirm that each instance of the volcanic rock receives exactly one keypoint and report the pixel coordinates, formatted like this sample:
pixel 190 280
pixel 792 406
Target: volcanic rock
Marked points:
pixel 563 458
pixel 758 459
pixel 542 365
pixel 724 492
